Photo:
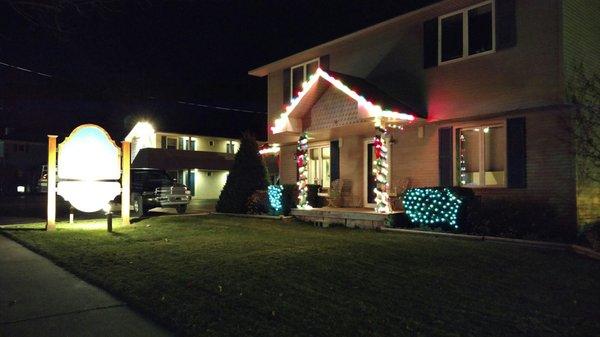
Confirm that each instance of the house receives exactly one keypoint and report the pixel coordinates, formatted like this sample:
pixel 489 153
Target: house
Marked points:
pixel 200 162
pixel 465 93
pixel 21 161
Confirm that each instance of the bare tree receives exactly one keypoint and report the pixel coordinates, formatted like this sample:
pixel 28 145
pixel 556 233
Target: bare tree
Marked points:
pixel 584 93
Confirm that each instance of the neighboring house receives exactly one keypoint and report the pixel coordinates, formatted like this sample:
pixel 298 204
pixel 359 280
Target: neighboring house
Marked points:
pixel 200 162
pixel 472 93
pixel 21 161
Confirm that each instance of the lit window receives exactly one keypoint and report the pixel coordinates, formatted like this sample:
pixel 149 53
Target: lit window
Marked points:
pixel 171 143
pixel 467 32
pixel 231 147
pixel 319 166
pixel 300 74
pixel 482 156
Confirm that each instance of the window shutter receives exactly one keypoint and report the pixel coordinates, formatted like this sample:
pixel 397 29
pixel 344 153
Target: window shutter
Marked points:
pixel 286 86
pixel 445 156
pixel 516 152
pixel 430 43
pixel 163 142
pixel 324 62
pixel 334 151
pixel 506 24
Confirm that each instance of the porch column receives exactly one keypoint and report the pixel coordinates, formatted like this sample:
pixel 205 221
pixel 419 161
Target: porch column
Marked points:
pixel 302 163
pixel 381 169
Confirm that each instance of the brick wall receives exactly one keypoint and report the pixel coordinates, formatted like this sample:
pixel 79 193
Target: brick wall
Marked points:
pixel 550 162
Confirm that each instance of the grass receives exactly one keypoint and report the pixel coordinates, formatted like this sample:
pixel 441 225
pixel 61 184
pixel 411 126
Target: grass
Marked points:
pixel 222 276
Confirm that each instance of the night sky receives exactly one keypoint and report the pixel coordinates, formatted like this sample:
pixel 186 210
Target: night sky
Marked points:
pixel 113 62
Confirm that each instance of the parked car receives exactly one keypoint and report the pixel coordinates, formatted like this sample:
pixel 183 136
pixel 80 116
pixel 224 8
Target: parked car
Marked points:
pixel 42 185
pixel 152 188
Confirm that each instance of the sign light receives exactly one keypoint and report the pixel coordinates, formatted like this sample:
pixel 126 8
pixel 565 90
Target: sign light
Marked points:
pixel 88 168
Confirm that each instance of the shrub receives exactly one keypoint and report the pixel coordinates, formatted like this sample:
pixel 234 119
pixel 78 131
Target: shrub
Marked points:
pixel 437 207
pixel 289 198
pixel 257 203
pixel 591 236
pixel 275 199
pixel 247 175
pixel 514 219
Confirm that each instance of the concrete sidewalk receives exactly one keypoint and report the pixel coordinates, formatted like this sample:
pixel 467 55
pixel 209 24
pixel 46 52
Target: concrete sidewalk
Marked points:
pixel 38 298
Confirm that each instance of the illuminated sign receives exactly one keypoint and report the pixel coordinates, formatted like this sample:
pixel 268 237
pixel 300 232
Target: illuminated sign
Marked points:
pixel 89 165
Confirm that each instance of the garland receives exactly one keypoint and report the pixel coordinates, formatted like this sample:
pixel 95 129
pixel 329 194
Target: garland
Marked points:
pixel 302 163
pixel 463 162
pixel 380 169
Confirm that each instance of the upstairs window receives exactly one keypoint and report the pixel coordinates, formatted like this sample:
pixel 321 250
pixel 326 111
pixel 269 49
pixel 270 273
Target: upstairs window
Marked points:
pixel 171 143
pixel 300 74
pixel 466 33
pixel 231 147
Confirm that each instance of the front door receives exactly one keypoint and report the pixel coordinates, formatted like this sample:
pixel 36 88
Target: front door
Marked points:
pixel 369 183
pixel 191 182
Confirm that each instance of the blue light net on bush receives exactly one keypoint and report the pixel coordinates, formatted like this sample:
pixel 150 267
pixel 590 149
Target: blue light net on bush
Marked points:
pixel 432 206
pixel 275 193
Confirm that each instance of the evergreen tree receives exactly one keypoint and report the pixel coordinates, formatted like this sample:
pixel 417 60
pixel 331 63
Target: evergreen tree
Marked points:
pixel 247 175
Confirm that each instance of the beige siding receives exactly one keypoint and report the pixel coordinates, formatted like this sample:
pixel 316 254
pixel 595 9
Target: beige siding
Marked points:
pixel 526 75
pixel 287 165
pixel 209 187
pixel 352 170
pixel 274 98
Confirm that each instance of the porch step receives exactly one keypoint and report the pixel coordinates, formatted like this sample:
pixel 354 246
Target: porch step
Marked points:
pixel 349 217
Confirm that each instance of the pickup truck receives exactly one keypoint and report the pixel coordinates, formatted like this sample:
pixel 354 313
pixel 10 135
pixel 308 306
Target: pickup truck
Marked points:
pixel 152 188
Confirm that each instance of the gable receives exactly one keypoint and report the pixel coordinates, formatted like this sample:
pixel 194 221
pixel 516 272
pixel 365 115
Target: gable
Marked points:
pixel 332 110
pixel 376 104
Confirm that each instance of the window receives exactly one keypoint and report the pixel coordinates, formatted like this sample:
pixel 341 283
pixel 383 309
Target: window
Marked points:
pixel 482 156
pixel 300 74
pixel 466 33
pixel 211 143
pixel 171 143
pixel 208 173
pixel 231 147
pixel 319 166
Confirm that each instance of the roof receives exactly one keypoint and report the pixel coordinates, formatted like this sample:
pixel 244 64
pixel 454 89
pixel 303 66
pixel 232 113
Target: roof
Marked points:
pixel 197 119
pixel 169 159
pixel 376 95
pixel 323 48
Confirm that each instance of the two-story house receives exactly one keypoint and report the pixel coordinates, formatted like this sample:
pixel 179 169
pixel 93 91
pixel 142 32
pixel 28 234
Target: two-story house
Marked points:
pixel 21 161
pixel 470 93
pixel 200 162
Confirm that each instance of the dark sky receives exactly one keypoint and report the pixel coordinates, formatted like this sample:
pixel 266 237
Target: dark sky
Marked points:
pixel 149 51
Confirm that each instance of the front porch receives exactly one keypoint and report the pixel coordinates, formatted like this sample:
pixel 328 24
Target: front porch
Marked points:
pixel 348 217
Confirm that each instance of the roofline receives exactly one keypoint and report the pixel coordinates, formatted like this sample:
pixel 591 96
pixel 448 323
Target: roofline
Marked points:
pixel 281 63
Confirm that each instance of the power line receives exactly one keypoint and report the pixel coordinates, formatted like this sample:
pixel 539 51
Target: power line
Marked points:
pixel 220 107
pixel 24 69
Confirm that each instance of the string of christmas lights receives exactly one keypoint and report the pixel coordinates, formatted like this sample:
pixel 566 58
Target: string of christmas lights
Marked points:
pixel 282 123
pixel 431 206
pixel 463 163
pixel 380 170
pixel 302 163
pixel 275 193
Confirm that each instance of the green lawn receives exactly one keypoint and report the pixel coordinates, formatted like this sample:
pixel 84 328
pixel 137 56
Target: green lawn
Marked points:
pixel 224 276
